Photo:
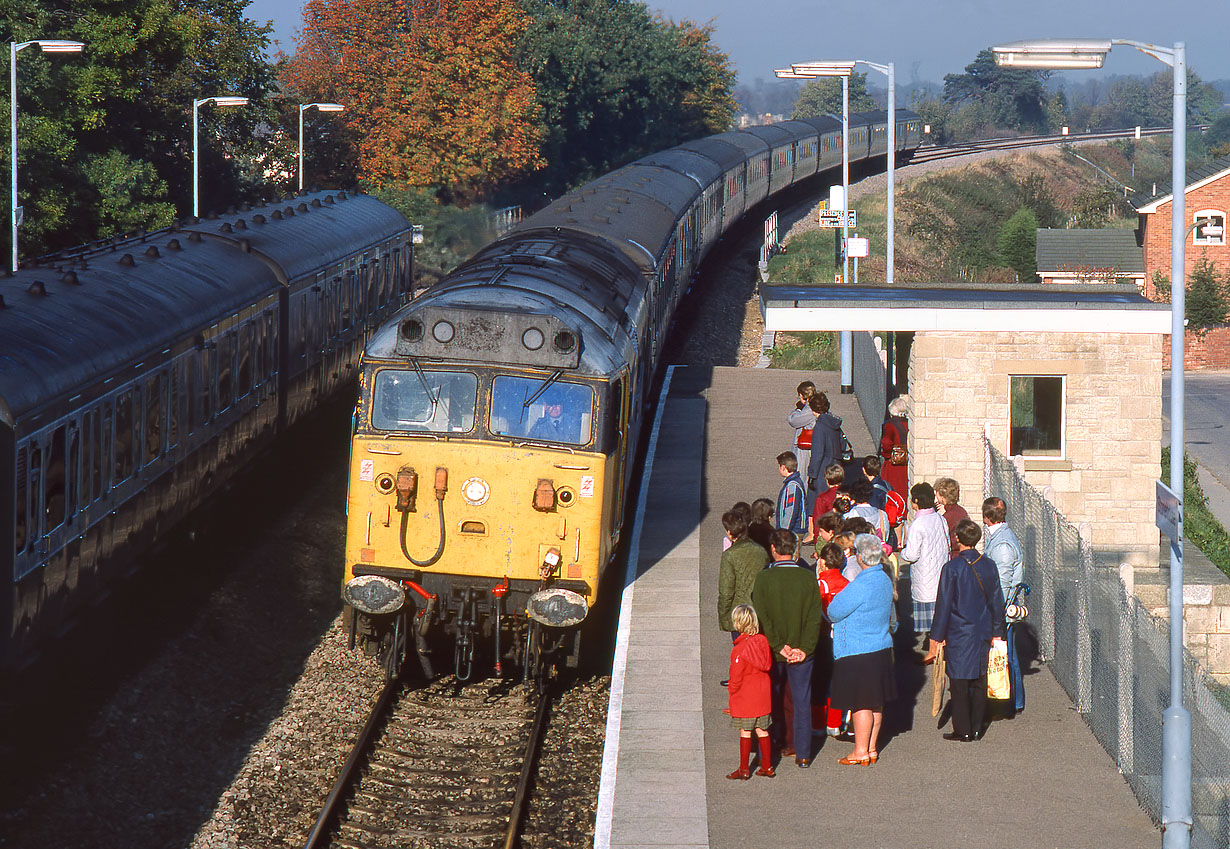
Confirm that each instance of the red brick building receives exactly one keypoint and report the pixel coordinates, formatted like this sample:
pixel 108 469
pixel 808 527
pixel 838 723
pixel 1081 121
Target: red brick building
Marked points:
pixel 1207 203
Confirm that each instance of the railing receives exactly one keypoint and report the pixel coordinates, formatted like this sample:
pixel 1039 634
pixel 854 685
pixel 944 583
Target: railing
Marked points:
pixel 1112 656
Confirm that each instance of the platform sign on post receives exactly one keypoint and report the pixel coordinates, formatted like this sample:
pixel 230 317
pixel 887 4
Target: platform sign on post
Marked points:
pixel 829 218
pixel 858 247
pixel 1169 518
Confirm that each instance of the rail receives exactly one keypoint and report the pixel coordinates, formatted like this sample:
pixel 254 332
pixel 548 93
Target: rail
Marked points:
pixel 934 153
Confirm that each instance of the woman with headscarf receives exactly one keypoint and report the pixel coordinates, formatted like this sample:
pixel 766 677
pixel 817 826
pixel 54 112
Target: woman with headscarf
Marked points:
pixel 893 447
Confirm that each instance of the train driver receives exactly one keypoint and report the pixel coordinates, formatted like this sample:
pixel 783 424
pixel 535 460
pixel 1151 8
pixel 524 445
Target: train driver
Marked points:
pixel 554 426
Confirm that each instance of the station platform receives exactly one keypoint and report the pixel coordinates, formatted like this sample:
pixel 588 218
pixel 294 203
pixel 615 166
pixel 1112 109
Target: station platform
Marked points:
pixel 1039 780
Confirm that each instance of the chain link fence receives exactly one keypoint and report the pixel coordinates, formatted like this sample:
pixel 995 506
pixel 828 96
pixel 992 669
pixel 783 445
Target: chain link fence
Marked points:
pixel 1113 657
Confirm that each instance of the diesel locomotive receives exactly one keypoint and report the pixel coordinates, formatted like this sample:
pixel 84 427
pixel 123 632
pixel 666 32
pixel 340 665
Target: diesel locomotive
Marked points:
pixel 138 375
pixel 499 414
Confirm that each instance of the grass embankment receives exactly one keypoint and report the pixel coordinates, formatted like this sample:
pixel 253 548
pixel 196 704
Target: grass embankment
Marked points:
pixel 947 229
pixel 1200 526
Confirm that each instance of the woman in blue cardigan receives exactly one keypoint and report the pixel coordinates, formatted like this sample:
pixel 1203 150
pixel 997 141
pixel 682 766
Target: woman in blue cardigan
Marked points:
pixel 863 679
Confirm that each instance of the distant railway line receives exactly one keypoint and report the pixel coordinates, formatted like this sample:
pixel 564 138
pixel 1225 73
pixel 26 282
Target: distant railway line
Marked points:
pixel 932 153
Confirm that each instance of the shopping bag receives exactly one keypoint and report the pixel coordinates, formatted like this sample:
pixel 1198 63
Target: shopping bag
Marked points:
pixel 999 683
pixel 937 681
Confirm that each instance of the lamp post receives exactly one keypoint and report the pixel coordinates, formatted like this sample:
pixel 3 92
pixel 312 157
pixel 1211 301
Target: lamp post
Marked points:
pixel 811 70
pixel 223 100
pixel 320 107
pixel 47 45
pixel 1075 54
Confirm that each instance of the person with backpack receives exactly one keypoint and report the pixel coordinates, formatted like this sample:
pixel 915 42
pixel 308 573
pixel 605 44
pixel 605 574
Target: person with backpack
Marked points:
pixel 893 447
pixel 826 445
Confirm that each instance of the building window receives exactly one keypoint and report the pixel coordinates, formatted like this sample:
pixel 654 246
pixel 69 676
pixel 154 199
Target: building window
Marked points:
pixel 1036 411
pixel 1210 227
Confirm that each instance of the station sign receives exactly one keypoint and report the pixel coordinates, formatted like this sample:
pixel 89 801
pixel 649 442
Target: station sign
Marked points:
pixel 1169 512
pixel 833 217
pixel 858 248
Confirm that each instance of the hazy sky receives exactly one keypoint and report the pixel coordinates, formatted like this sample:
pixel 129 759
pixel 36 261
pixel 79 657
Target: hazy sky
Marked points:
pixel 924 38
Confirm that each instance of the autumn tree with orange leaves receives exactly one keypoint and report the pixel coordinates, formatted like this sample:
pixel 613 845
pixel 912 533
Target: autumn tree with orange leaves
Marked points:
pixel 433 96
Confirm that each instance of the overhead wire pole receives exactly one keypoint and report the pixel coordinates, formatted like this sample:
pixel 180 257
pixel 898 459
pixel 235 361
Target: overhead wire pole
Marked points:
pixel 1073 54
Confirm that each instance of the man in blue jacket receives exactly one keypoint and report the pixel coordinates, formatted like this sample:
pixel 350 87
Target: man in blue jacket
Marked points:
pixel 791 511
pixel 969 614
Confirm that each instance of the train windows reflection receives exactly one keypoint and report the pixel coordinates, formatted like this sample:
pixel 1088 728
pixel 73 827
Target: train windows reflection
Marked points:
pixel 432 401
pixel 563 412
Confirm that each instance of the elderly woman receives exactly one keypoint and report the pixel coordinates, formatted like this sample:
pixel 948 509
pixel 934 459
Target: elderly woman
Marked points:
pixel 893 446
pixel 863 680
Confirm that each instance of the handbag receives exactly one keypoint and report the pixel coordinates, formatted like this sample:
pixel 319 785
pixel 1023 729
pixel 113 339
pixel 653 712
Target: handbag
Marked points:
pixel 898 455
pixel 847 450
pixel 999 682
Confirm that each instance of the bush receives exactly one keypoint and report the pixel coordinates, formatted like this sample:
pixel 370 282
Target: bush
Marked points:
pixel 806 351
pixel 1016 243
pixel 1206 296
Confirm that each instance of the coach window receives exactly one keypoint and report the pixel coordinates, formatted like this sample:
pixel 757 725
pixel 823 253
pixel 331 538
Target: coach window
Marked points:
pixel 123 437
pixel 174 400
pixel 243 382
pixel 108 446
pixel 1210 227
pixel 153 418
pixel 95 435
pixel 21 534
pixel 205 380
pixel 55 485
pixel 226 356
pixel 1036 412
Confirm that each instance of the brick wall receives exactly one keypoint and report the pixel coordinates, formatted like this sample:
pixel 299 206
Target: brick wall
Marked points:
pixel 1206 349
pixel 1155 227
pixel 959 382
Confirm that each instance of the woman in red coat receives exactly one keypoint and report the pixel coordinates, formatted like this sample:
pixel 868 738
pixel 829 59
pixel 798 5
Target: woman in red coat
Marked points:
pixel 893 447
pixel 751 699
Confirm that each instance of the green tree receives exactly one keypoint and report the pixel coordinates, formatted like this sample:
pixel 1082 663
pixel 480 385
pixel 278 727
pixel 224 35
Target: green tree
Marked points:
pixel 104 137
pixel 1217 137
pixel 822 96
pixel 1206 303
pixel 1094 207
pixel 1016 244
pixel 615 83
pixel 1016 99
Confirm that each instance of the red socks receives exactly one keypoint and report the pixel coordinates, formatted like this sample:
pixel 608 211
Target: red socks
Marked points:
pixel 766 755
pixel 745 751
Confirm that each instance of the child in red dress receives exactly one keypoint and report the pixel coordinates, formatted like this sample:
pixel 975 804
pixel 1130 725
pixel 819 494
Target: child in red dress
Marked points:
pixel 750 691
pixel 828 575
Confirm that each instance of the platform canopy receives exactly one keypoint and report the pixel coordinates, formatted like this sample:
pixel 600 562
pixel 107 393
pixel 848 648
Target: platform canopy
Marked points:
pixel 1080 308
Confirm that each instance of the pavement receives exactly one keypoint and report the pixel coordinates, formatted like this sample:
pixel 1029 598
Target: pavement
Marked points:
pixel 1040 780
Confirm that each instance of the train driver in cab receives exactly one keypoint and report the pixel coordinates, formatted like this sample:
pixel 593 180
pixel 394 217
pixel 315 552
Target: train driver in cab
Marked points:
pixel 554 426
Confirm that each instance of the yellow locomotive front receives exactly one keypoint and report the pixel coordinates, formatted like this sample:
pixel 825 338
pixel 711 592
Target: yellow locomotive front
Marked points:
pixel 483 501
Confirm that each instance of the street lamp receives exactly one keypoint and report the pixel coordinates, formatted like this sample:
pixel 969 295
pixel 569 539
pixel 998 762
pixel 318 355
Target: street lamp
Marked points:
pixel 811 70
pixel 320 107
pixel 1075 54
pixel 47 45
pixel 223 100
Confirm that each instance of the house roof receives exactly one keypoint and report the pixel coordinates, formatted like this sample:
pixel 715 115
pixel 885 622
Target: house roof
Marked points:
pixel 1196 177
pixel 1117 249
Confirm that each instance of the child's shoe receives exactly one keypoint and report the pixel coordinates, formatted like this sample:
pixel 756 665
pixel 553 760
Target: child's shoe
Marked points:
pixel 766 771
pixel 740 774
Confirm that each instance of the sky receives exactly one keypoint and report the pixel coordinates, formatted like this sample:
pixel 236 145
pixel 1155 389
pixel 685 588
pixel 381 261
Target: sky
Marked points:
pixel 925 39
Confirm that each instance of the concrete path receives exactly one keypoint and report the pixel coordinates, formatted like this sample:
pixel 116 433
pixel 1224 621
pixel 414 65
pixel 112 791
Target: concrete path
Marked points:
pixel 1040 780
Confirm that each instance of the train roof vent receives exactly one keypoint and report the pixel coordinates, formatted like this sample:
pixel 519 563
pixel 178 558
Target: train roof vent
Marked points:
pixel 276 215
pixel 226 227
pixel 127 261
pixel 316 203
pixel 289 212
pixel 174 245
pixel 240 224
pixel 230 210
pixel 302 207
pixel 3 306
pixel 258 219
pixel 70 277
pixel 245 206
pixel 152 252
pixel 329 199
pixel 194 236
pixel 341 196
pixel 38 289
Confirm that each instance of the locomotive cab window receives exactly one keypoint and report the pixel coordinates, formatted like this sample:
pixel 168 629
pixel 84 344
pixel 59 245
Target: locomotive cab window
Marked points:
pixel 560 412
pixel 431 401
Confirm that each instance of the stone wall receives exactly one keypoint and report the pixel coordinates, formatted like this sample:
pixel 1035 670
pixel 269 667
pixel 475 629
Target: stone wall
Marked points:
pixel 959 384
pixel 1206 606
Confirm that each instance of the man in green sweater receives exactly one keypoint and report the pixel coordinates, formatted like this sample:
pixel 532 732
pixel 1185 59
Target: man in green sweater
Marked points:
pixel 787 601
pixel 741 563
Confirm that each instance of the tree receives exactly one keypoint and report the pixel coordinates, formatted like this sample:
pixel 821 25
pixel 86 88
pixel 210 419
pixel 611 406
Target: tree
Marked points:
pixel 1017 242
pixel 822 96
pixel 1217 137
pixel 1206 303
pixel 104 137
pixel 615 83
pixel 432 92
pixel 1014 98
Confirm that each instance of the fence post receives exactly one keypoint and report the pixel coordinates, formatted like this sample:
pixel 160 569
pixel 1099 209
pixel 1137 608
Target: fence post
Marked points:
pixel 986 460
pixel 1125 660
pixel 1084 648
pixel 1046 636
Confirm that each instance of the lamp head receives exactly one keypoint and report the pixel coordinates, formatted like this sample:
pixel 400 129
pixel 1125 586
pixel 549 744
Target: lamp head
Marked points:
pixel 824 69
pixel 60 46
pixel 1053 54
pixel 329 107
pixel 229 100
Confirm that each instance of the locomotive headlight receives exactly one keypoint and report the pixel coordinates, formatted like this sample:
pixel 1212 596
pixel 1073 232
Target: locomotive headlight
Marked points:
pixel 565 496
pixel 385 484
pixel 475 491
pixel 532 339
pixel 443 332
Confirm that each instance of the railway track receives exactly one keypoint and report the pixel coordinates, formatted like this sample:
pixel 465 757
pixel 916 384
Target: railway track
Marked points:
pixel 437 766
pixel 932 154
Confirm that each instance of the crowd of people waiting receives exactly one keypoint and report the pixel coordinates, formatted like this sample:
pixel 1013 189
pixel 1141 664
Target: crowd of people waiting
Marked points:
pixel 808 589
